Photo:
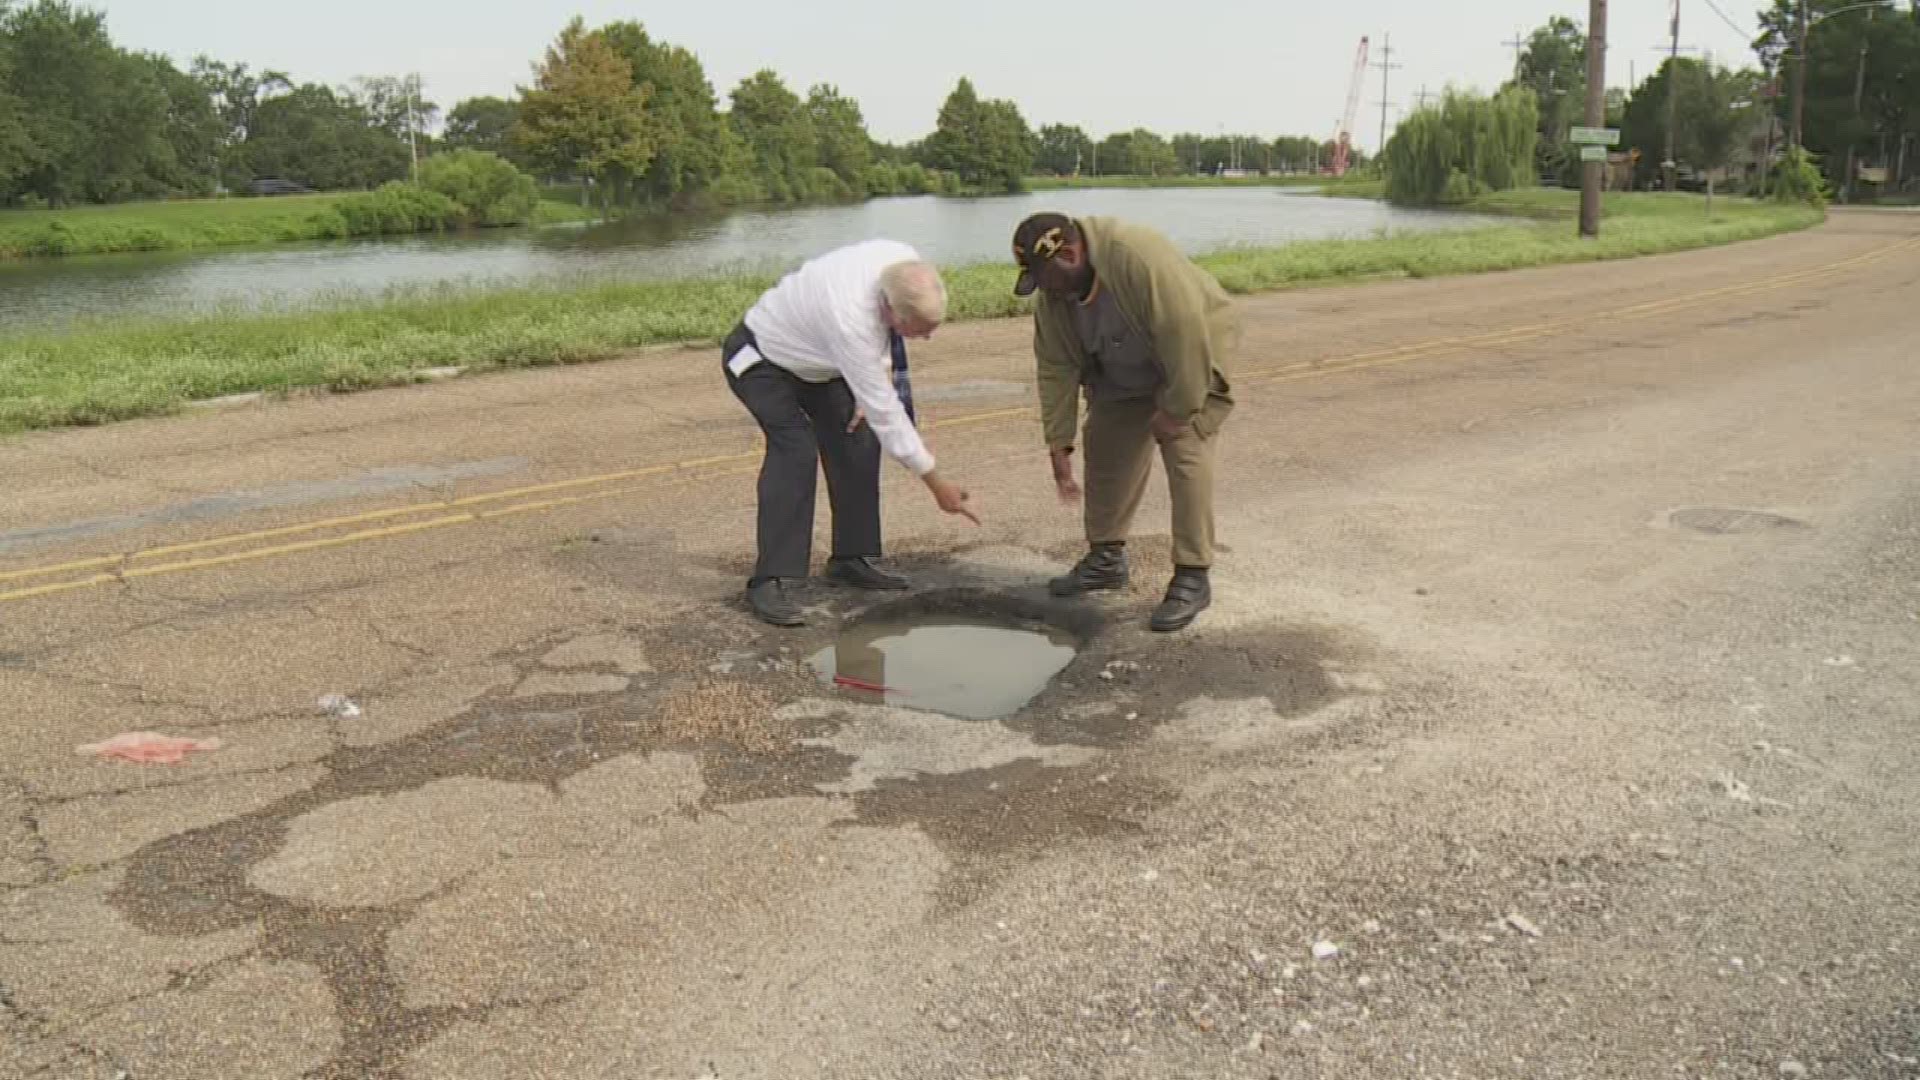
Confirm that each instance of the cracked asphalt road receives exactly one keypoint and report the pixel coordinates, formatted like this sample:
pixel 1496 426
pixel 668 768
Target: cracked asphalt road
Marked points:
pixel 1555 718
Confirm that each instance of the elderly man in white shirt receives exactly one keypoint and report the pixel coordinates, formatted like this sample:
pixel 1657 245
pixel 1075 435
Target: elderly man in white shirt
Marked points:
pixel 812 361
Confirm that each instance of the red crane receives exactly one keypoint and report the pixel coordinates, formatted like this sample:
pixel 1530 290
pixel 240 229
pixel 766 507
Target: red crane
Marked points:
pixel 1343 140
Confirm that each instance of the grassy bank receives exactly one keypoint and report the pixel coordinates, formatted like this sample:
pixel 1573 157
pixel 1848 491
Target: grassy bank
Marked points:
pixel 1633 225
pixel 197 224
pixel 1354 186
pixel 1058 183
pixel 102 374
pixel 192 224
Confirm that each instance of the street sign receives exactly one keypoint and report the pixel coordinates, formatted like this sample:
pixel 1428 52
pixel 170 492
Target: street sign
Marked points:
pixel 1595 136
pixel 1593 153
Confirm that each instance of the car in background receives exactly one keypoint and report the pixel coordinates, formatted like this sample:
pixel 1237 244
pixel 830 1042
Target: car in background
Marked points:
pixel 273 185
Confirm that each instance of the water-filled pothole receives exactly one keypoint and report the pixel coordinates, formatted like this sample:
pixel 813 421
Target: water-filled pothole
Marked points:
pixel 966 666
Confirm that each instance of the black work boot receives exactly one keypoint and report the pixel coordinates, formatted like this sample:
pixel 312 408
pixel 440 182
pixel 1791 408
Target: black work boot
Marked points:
pixel 860 573
pixel 769 600
pixel 1102 567
pixel 1188 594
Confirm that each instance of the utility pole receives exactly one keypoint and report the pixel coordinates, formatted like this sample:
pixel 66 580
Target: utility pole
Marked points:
pixel 1591 171
pixel 1800 78
pixel 413 123
pixel 1386 66
pixel 1859 92
pixel 1552 95
pixel 1518 44
pixel 1668 167
pixel 1771 94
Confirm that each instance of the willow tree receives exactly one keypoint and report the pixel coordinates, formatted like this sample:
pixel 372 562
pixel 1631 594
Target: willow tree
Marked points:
pixel 1463 147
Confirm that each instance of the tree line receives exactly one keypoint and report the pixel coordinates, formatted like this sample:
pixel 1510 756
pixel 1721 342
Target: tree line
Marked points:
pixel 1716 108
pixel 1861 130
pixel 1066 150
pixel 638 119
pixel 82 120
pixel 633 119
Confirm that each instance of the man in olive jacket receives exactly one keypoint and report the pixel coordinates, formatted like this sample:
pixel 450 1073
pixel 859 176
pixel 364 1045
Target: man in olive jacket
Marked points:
pixel 1127 320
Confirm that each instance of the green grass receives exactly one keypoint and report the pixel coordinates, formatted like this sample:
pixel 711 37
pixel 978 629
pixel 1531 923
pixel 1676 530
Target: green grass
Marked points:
pixel 1356 187
pixel 104 373
pixel 1563 204
pixel 549 211
pixel 1056 183
pixel 1353 186
pixel 1633 225
pixel 189 225
pixel 157 226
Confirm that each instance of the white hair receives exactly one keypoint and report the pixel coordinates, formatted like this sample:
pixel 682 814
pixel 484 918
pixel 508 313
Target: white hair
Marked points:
pixel 914 291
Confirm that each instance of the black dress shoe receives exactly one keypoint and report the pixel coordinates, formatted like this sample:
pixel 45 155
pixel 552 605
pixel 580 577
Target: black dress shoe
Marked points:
pixel 1104 567
pixel 770 602
pixel 860 573
pixel 1188 594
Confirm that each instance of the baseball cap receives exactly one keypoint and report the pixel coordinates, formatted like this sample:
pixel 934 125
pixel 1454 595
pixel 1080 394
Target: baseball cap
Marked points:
pixel 1036 240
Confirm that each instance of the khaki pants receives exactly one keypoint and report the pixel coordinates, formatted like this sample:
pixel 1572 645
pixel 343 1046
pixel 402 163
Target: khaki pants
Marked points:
pixel 1119 448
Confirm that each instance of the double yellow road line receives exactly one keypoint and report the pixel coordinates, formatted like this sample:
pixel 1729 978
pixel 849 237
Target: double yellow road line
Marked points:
pixel 439 514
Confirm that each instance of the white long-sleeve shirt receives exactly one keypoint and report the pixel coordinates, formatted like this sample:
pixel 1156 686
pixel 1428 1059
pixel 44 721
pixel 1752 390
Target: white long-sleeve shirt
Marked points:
pixel 823 322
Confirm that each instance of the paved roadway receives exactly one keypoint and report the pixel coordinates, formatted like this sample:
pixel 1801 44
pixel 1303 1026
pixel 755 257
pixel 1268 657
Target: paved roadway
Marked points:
pixel 1562 677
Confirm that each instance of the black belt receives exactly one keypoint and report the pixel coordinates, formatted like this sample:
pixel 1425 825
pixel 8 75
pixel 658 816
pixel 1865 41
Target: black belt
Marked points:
pixel 742 336
pixel 739 338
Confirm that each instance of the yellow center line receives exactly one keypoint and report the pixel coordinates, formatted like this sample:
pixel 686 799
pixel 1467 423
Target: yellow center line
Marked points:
pixel 469 517
pixel 124 560
pixel 360 536
pixel 359 519
pixel 482 507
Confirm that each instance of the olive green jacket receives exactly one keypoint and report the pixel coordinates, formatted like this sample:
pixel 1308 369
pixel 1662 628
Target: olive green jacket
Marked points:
pixel 1192 322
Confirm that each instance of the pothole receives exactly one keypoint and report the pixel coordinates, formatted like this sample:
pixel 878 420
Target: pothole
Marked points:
pixel 1730 520
pixel 967 666
pixel 972 654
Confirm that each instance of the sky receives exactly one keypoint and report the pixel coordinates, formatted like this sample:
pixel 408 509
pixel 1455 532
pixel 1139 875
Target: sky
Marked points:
pixel 1266 67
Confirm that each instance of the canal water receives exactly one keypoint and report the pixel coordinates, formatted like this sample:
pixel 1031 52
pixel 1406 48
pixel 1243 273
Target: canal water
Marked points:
pixel 49 293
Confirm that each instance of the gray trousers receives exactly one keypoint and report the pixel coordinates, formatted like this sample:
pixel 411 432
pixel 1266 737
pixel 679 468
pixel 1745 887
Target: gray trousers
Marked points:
pixel 805 425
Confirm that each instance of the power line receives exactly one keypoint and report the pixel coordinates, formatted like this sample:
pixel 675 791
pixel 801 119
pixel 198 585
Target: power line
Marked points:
pixel 1715 8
